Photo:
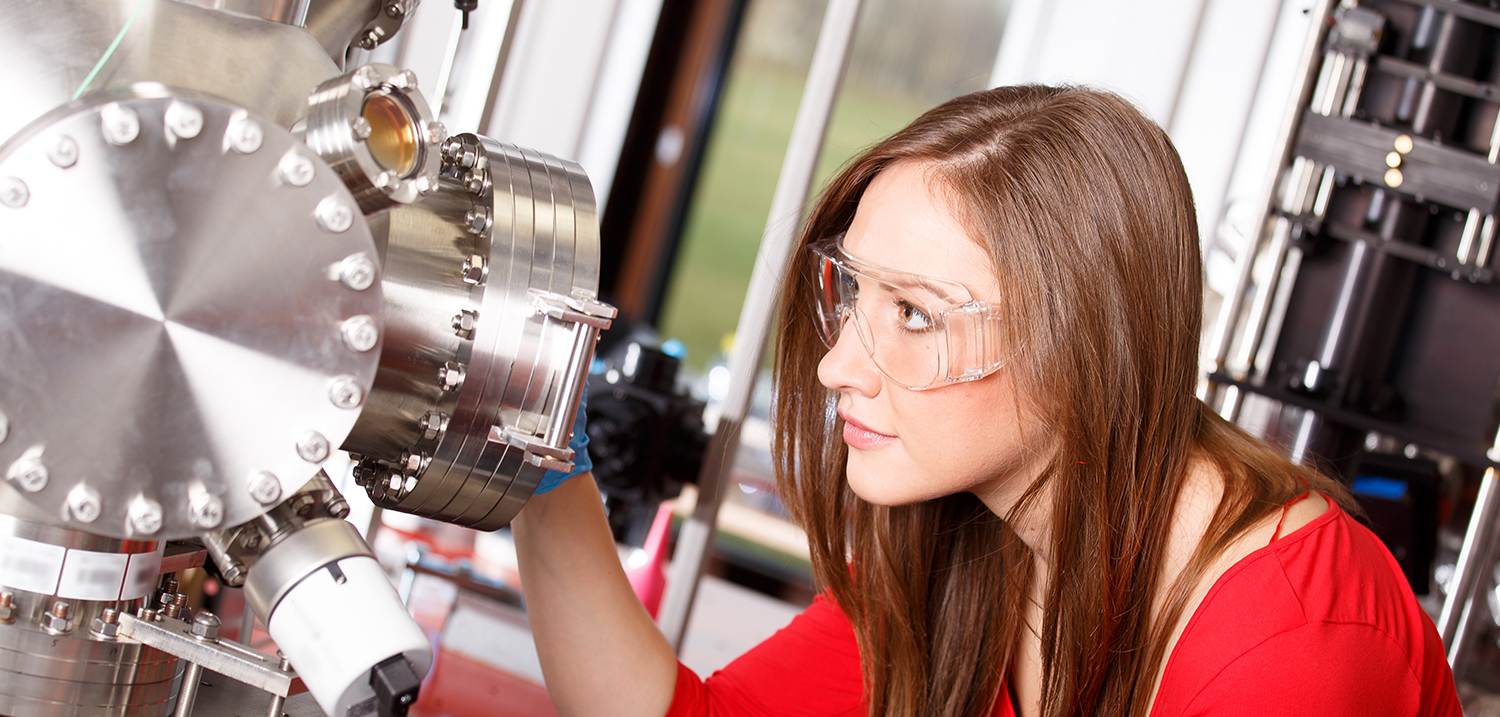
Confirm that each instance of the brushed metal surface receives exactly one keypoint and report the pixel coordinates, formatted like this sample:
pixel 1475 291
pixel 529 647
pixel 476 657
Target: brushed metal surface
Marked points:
pixel 43 674
pixel 532 218
pixel 170 313
pixel 48 48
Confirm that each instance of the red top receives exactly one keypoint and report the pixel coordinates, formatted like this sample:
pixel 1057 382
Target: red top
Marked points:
pixel 1321 621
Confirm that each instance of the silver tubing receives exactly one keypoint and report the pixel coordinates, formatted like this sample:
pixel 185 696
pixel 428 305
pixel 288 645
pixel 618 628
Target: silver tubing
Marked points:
pixel 1472 561
pixel 1229 311
pixel 793 188
pixel 189 692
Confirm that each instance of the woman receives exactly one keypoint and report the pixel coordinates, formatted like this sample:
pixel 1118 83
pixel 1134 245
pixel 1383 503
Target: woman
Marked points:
pixel 986 424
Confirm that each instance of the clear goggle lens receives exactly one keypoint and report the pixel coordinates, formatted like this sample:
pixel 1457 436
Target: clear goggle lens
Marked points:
pixel 920 331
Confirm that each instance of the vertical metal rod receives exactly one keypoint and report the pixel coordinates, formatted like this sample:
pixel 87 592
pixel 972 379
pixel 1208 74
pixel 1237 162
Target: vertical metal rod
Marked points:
pixel 1472 560
pixel 188 693
pixel 247 624
pixel 1229 311
pixel 830 57
pixel 278 703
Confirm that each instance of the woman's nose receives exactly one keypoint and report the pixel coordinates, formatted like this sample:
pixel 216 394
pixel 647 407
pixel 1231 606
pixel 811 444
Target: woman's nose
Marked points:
pixel 848 367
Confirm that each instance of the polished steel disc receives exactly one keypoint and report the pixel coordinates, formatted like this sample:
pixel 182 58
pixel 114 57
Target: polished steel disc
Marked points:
pixel 189 313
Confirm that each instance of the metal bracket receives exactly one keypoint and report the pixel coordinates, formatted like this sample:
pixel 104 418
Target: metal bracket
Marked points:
pixel 230 659
pixel 537 454
pixel 576 309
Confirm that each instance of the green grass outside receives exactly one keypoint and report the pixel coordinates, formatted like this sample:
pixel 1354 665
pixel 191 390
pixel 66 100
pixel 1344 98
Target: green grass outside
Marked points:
pixel 733 197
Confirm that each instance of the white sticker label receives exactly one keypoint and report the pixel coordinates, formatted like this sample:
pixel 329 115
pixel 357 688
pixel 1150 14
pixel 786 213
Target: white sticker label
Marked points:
pixel 140 577
pixel 87 575
pixel 30 566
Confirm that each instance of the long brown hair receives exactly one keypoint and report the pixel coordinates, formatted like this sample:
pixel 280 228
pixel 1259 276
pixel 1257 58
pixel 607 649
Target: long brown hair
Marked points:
pixel 1083 206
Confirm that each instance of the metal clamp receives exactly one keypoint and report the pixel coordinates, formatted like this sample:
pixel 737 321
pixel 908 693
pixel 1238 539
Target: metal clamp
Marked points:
pixel 575 309
pixel 537 454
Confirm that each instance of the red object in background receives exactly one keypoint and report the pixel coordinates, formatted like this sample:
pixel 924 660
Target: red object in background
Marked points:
pixel 462 687
pixel 648 579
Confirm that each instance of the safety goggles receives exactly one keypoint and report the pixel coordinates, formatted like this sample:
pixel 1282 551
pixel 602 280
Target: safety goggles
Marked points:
pixel 920 331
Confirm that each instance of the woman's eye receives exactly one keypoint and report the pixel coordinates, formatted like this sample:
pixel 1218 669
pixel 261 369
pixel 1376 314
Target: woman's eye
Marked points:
pixel 912 318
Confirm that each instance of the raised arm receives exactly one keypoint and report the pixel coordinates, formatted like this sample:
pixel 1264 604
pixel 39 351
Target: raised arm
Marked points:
pixel 600 652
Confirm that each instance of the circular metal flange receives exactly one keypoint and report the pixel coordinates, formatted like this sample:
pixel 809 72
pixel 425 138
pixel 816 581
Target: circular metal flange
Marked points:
pixel 171 314
pixel 504 396
pixel 373 127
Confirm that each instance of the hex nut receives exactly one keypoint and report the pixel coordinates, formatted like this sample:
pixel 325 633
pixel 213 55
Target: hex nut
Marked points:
pixel 7 614
pixel 473 270
pixel 4 427
pixel 362 128
pixel 451 376
pixel 205 626
pixel 464 323
pixel 436 132
pixel 105 628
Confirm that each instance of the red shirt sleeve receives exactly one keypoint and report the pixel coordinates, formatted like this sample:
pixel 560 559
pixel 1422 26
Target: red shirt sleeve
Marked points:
pixel 810 668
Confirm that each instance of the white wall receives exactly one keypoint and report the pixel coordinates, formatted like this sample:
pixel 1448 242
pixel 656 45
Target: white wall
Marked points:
pixel 1217 74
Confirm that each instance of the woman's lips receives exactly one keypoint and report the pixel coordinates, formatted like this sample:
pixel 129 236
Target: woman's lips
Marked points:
pixel 859 436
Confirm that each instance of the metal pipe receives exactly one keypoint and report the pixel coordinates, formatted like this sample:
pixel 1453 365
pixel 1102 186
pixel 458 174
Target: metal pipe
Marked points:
pixel 830 57
pixel 1229 311
pixel 1473 558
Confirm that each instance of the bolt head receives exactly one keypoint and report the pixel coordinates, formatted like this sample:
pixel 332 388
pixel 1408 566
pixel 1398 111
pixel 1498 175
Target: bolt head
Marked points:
pixel 437 132
pixel 55 624
pixel 313 447
pixel 360 333
pixel 451 376
pixel 473 270
pixel 357 271
pixel 145 516
pixel 244 135
pixel 395 9
pixel 205 625
pixel 105 629
pixel 28 473
pixel 433 424
pixel 184 120
pixel 265 488
pixel 334 215
pixel 295 169
pixel 63 152
pixel 369 40
pixel 207 512
pixel 362 129
pixel 406 80
pixel 120 124
pixel 14 193
pixel 345 392
pixel 84 504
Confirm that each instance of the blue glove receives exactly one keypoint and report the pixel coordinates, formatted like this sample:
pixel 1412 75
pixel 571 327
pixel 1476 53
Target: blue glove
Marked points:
pixel 580 445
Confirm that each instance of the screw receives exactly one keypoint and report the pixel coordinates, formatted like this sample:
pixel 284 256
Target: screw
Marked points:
pixel 405 80
pixel 313 447
pixel 473 270
pixel 362 129
pixel 360 333
pixel 14 193
pixel 207 512
pixel 84 504
pixel 357 271
pixel 264 488
pixel 345 392
pixel 283 664
pixel 121 125
pixel 245 135
pixel 206 626
pixel 451 376
pixel 145 515
pixel 186 121
pixel 464 322
pixel 395 9
pixel 436 132
pixel 295 169
pixel 29 473
pixel 334 215
pixel 63 152
pixel 107 624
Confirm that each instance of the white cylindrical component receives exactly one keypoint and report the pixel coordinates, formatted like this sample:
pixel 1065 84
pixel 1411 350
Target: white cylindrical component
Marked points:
pixel 334 631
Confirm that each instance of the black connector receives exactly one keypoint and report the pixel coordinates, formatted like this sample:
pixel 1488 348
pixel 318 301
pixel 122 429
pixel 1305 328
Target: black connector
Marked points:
pixel 466 7
pixel 396 686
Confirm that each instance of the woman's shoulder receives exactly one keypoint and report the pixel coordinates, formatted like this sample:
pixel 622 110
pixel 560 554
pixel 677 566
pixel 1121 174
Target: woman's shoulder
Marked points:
pixel 1323 607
